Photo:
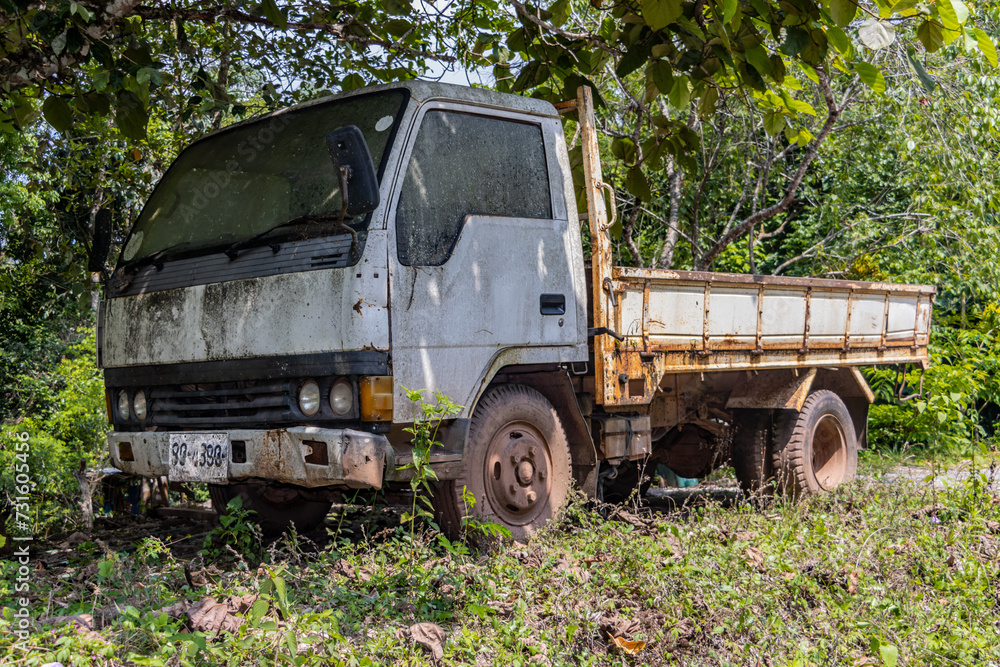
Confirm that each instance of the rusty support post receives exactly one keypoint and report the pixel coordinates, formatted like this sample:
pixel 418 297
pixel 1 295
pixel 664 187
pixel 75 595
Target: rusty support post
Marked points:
pixel 600 243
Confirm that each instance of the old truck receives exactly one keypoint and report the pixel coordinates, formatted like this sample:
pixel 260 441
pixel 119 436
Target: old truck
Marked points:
pixel 291 275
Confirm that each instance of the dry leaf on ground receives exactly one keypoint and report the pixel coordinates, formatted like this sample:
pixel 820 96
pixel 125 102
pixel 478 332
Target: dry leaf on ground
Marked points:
pixel 756 557
pixel 431 636
pixel 629 646
pixel 616 626
pixel 209 615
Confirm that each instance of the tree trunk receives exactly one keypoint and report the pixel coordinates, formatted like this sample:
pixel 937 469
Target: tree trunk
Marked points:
pixel 676 179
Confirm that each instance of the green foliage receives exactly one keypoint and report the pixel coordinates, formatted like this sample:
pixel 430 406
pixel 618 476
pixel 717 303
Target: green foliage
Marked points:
pixel 66 430
pixel 237 530
pixel 424 432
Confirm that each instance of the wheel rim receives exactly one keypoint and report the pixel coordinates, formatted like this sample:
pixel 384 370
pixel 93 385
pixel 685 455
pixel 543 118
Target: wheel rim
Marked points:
pixel 829 452
pixel 517 465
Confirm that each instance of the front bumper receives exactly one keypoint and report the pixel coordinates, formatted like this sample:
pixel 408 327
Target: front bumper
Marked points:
pixel 304 455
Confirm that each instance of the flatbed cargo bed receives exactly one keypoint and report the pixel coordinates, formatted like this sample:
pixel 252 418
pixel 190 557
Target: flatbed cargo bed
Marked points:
pixel 652 322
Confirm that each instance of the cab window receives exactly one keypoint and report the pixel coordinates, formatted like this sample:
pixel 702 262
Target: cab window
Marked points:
pixel 463 165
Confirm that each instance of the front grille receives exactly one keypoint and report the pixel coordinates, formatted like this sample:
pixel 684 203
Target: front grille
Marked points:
pixel 211 404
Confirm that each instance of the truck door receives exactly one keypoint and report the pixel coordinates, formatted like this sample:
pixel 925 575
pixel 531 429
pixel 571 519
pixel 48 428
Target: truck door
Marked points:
pixel 481 254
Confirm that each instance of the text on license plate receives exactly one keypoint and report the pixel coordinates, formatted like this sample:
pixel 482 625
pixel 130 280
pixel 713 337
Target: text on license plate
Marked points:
pixel 198 456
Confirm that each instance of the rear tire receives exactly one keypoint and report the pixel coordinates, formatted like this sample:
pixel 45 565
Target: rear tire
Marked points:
pixel 517 464
pixel 752 456
pixel 276 507
pixel 815 449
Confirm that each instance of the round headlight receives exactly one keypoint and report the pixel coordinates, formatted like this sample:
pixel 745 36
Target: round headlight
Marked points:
pixel 123 404
pixel 139 404
pixel 341 397
pixel 309 398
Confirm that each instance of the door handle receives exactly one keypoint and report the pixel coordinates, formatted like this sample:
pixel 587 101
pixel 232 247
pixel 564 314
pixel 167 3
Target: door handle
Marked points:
pixel 552 304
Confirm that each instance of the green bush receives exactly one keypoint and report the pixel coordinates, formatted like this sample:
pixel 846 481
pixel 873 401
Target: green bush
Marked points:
pixel 65 432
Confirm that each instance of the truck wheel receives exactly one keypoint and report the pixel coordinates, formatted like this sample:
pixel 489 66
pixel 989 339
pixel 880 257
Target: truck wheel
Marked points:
pixel 816 448
pixel 752 459
pixel 276 507
pixel 517 464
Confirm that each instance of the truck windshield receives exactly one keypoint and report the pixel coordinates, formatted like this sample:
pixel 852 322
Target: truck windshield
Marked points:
pixel 238 183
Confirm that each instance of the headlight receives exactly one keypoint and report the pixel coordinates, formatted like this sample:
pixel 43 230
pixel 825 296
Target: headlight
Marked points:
pixel 139 404
pixel 123 404
pixel 341 397
pixel 309 398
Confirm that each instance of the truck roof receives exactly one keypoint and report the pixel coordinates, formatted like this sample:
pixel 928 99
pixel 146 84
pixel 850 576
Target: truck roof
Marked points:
pixel 423 91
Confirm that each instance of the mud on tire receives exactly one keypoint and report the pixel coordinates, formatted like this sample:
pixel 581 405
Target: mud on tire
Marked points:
pixel 815 449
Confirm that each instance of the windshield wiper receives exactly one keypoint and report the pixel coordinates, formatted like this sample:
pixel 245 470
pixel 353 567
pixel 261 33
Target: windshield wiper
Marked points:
pixel 232 252
pixel 122 278
pixel 155 258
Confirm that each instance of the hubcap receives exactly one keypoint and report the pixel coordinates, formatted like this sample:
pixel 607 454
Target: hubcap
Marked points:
pixel 829 452
pixel 516 472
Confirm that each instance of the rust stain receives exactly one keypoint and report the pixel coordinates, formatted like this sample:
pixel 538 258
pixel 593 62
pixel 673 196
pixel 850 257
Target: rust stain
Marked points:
pixel 357 307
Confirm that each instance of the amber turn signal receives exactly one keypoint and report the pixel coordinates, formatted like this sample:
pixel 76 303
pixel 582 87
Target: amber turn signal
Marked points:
pixel 376 398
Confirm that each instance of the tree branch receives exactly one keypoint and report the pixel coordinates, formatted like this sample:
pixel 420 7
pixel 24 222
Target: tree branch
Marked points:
pixel 834 111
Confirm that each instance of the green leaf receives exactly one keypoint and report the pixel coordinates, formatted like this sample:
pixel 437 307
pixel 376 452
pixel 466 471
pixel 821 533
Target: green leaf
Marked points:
pixel 560 10
pixel 706 105
pixel 680 94
pixel 662 75
pixel 636 183
pixel 257 612
pixel 871 76
pixel 842 11
pixel 352 81
pixel 930 35
pixel 623 148
pixel 130 115
pixel 889 654
pixel 774 122
pixel 800 106
pixel 926 80
pixel 796 39
pixel 839 39
pixel 961 11
pixel 728 11
pixel 757 57
pixel 986 45
pixel 661 13
pixel 949 17
pixel 58 113
pixel 876 35
pixel 273 14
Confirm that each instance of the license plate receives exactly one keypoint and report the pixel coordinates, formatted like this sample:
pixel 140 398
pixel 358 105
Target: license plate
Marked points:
pixel 198 457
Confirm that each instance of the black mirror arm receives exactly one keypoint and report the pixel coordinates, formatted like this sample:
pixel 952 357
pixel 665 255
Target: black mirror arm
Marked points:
pixel 345 175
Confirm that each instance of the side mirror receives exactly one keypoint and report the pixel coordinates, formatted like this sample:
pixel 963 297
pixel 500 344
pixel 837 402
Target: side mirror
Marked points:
pixel 101 243
pixel 349 150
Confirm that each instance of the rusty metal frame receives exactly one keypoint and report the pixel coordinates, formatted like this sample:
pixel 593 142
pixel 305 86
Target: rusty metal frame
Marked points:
pixel 597 216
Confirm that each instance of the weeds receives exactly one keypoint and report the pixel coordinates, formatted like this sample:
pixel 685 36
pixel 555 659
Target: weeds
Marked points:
pixel 873 574
pixel 237 530
pixel 424 432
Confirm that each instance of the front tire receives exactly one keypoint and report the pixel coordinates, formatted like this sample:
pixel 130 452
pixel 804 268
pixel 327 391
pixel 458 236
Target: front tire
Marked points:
pixel 815 449
pixel 276 507
pixel 517 464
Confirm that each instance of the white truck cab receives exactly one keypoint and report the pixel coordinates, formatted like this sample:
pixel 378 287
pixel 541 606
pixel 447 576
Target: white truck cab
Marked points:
pixel 260 330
